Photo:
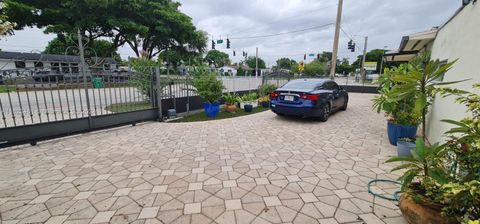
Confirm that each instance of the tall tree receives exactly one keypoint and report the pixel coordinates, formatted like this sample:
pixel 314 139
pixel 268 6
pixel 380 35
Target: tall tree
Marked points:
pixel 147 26
pixel 217 58
pixel 371 56
pixel 344 67
pixel 251 61
pixel 326 56
pixel 286 63
pixel 6 27
pixel 316 68
pixel 63 45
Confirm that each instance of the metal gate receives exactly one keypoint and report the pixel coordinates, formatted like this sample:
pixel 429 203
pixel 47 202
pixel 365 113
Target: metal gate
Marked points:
pixel 38 103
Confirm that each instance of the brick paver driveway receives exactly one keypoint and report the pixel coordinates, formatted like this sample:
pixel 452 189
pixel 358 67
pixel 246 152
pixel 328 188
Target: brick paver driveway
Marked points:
pixel 253 169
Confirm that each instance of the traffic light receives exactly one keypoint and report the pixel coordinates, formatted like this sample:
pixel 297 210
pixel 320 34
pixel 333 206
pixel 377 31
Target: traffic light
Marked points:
pixel 228 43
pixel 351 46
pixel 213 45
pixel 305 57
pixel 233 53
pixel 318 56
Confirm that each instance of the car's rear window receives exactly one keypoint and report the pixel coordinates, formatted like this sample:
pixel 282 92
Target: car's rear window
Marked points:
pixel 300 85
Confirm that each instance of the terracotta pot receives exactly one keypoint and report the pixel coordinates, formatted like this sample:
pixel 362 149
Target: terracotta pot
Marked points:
pixel 421 214
pixel 230 108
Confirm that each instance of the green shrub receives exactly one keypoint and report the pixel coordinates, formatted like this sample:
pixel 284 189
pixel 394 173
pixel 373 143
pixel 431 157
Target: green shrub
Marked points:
pixel 230 98
pixel 267 89
pixel 208 87
pixel 248 97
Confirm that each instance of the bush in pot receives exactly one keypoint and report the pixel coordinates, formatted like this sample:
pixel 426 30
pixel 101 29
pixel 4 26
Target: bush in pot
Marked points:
pixel 230 102
pixel 402 121
pixel 248 99
pixel 264 91
pixel 441 183
pixel 210 89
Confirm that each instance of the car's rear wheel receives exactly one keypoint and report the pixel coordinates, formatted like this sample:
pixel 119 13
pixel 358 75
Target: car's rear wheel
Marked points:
pixel 326 113
pixel 345 104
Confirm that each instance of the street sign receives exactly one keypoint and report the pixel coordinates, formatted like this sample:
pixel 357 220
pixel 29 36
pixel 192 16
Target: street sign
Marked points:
pixel 311 55
pixel 371 66
pixel 301 66
pixel 219 41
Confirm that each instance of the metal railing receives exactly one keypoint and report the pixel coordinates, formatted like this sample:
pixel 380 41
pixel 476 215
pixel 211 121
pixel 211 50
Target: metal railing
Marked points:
pixel 31 96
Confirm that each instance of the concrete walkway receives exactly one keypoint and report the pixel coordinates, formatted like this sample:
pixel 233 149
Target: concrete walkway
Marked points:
pixel 253 169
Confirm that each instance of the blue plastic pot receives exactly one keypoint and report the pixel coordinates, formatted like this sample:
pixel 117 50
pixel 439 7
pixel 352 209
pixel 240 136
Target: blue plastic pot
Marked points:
pixel 211 109
pixel 404 148
pixel 248 108
pixel 265 104
pixel 396 131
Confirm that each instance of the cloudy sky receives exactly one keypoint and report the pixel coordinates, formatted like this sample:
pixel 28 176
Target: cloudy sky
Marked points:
pixel 383 21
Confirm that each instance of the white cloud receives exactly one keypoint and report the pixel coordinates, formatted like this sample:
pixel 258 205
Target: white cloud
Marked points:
pixel 384 21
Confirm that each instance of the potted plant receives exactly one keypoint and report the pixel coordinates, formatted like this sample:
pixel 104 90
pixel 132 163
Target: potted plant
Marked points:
pixel 210 89
pixel 264 91
pixel 402 122
pixel 230 102
pixel 404 146
pixel 264 101
pixel 248 99
pixel 441 183
pixel 420 82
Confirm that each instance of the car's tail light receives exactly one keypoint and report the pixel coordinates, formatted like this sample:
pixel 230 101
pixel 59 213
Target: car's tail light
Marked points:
pixel 274 94
pixel 311 97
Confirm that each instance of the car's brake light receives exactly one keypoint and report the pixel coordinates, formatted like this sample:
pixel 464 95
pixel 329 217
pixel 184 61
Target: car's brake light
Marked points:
pixel 311 97
pixel 274 94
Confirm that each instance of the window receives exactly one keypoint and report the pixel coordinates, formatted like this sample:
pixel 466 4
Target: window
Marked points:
pixel 20 64
pixel 300 85
pixel 38 64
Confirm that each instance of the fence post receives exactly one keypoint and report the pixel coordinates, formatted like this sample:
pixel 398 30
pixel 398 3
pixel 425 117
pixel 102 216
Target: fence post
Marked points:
pixel 82 60
pixel 159 94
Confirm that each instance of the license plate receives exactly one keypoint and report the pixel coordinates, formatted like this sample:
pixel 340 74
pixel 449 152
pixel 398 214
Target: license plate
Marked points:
pixel 289 98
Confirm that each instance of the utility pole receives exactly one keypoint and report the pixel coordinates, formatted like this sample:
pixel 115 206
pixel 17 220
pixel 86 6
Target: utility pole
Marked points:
pixel 335 40
pixel 256 63
pixel 363 71
pixel 381 62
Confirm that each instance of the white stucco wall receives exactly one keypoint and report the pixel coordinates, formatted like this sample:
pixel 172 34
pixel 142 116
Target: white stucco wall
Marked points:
pixel 458 39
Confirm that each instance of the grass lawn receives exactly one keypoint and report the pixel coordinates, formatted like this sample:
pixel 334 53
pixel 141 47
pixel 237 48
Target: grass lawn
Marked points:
pixel 127 107
pixel 222 115
pixel 4 89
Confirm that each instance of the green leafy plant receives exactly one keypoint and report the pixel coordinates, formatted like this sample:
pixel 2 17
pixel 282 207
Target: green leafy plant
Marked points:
pixel 425 165
pixel 264 99
pixel 266 90
pixel 398 111
pixel 421 82
pixel 142 78
pixel 248 97
pixel 230 98
pixel 448 175
pixel 208 87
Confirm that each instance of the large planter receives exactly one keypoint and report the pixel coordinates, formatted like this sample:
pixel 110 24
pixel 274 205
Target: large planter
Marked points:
pixel 248 108
pixel 420 214
pixel 253 103
pixel 403 148
pixel 230 108
pixel 211 109
pixel 396 131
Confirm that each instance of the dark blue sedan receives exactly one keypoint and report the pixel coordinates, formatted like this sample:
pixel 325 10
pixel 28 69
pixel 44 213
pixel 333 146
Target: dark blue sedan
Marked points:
pixel 316 98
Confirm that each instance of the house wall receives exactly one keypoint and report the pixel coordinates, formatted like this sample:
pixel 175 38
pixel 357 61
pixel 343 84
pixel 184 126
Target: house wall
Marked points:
pixel 458 39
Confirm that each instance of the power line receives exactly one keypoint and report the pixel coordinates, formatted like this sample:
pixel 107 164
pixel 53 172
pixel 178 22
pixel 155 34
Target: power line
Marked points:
pixel 302 14
pixel 279 34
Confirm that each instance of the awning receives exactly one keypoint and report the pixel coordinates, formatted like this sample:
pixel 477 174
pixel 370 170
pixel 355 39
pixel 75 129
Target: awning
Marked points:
pixel 411 45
